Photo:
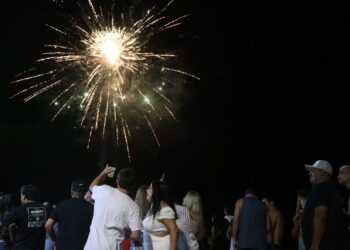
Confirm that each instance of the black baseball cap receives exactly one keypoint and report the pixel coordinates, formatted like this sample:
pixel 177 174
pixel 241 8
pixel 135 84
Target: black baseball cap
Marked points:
pixel 78 186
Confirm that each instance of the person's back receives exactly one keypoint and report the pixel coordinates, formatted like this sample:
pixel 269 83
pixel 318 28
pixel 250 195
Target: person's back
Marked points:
pixel 74 218
pixel 190 219
pixel 219 229
pixel 111 214
pixel 30 219
pixel 114 211
pixel 188 227
pixel 221 225
pixel 252 224
pixel 274 239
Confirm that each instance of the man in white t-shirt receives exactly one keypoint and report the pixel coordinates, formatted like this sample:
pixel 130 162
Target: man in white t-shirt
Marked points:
pixel 114 211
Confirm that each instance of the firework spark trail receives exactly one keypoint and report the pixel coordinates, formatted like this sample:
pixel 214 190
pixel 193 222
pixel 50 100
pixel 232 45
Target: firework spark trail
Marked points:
pixel 173 23
pixel 89 100
pixel 98 107
pixel 163 96
pixel 104 69
pixel 124 126
pixel 24 72
pixel 147 100
pixel 40 91
pixel 57 30
pixel 61 109
pixel 115 119
pixel 54 46
pixel 25 90
pixel 170 112
pixel 34 77
pixel 106 114
pixel 153 132
pixel 62 93
pixel 93 10
pixel 90 134
pixel 181 72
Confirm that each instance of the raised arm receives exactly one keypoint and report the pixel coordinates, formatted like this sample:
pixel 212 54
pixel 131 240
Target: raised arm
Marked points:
pixel 98 179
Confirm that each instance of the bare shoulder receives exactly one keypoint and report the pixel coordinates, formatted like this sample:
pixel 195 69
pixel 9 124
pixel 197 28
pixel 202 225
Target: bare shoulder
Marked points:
pixel 239 202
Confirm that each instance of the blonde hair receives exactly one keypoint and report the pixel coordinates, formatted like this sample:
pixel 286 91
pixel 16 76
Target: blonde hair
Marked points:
pixel 193 202
pixel 345 169
pixel 141 200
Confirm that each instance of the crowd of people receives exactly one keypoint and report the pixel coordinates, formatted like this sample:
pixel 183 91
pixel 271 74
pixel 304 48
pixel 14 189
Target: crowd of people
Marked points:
pixel 119 215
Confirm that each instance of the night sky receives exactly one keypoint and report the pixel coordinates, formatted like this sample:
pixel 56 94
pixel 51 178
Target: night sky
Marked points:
pixel 272 97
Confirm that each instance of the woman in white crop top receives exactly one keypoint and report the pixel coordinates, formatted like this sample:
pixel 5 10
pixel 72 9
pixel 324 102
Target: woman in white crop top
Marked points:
pixel 159 224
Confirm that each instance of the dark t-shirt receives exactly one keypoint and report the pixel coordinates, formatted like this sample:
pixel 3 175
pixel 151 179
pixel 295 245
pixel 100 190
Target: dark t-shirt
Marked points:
pixel 334 238
pixel 74 218
pixel 221 241
pixel 30 219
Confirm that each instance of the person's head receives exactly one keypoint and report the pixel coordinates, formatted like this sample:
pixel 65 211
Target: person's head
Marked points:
pixel 228 209
pixel 269 200
pixel 141 199
pixel 6 202
pixel 78 188
pixel 158 191
pixel 303 192
pixel 29 193
pixel 193 202
pixel 126 179
pixel 320 171
pixel 250 192
pixel 344 176
pixel 48 207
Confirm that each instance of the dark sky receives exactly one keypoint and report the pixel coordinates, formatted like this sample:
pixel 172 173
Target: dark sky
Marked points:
pixel 272 96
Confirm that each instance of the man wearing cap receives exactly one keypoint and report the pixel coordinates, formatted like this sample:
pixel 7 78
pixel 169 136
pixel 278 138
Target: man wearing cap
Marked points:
pixel 323 222
pixel 73 217
pixel 344 179
pixel 29 218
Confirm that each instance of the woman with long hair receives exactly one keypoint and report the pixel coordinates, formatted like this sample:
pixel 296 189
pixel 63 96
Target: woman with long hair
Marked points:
pixel 190 221
pixel 141 200
pixel 159 224
pixel 144 204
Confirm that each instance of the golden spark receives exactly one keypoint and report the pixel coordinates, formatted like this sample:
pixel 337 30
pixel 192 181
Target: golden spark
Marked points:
pixel 103 68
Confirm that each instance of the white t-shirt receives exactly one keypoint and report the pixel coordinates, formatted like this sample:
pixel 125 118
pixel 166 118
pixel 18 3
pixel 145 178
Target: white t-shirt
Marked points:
pixel 113 212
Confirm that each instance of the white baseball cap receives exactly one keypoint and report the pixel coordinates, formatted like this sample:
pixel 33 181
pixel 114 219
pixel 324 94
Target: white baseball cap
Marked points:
pixel 321 165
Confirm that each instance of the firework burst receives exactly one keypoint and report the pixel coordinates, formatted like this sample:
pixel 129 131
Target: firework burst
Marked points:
pixel 107 71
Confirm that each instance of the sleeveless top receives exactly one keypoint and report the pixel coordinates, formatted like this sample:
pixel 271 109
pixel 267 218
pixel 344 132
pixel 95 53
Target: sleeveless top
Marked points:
pixel 252 224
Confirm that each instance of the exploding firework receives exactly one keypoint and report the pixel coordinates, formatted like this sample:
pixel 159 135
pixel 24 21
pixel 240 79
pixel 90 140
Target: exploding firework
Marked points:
pixel 106 70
